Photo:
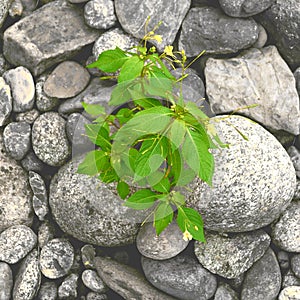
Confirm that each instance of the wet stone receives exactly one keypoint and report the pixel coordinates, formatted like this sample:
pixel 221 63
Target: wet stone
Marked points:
pixel 68 288
pixel 48 291
pixel 31 163
pixel 290 293
pixel 295 264
pixel 92 281
pixel 28 116
pixel 5 101
pixel 56 258
pixel 6 281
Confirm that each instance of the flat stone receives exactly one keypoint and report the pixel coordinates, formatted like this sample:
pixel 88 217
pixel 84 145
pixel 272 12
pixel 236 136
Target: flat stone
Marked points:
pixel 28 279
pixel 259 76
pixel 15 193
pixel 68 288
pixel 231 256
pixel 16 137
pixel 245 8
pixel 49 139
pixel 281 21
pixel 295 263
pixel 5 102
pixel 28 116
pixel 182 277
pixel 254 180
pixel 56 258
pixel 126 281
pixel 209 29
pixel 263 280
pixel 100 14
pixel 290 293
pixel 286 232
pixel 168 244
pixel 31 163
pixel 48 291
pixel 22 88
pixel 39 41
pixel 225 292
pixel 4 7
pixel 45 233
pixel 91 280
pixel 133 17
pixel 6 281
pixel 67 80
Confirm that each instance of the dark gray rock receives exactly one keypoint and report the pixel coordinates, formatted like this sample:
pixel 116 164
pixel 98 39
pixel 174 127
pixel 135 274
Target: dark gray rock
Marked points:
pixel 263 280
pixel 68 288
pixel 295 157
pixel 100 14
pixel 225 292
pixel 16 137
pixel 39 41
pixel 281 21
pixel 126 281
pixel 5 102
pixel 290 279
pixel 254 180
pixel 48 291
pixel 182 277
pixel 28 116
pixel 122 256
pixel 6 281
pixel 88 254
pixel 290 293
pixel 244 8
pixel 297 78
pixel 56 258
pixel 236 283
pixel 231 256
pixel 92 281
pixel 22 88
pixel 31 163
pixel 67 80
pixel 209 29
pixel 132 16
pixel 28 278
pixel 45 233
pixel 236 82
pixel 96 296
pixel 168 244
pixel 295 264
pixel 4 7
pixel 49 139
pixel 95 212
pixel 283 259
pixel 286 232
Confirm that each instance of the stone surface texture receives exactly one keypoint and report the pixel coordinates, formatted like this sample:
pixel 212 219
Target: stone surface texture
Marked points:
pixel 68 288
pixel 6 281
pixel 225 292
pixel 290 293
pixel 295 264
pixel 28 116
pixel 48 291
pixel 91 280
pixel 4 7
pixel 5 101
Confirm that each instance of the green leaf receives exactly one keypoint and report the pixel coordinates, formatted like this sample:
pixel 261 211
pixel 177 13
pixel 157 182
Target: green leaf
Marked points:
pixel 123 189
pixel 109 175
pixel 162 186
pixel 155 58
pixel 195 110
pixel 110 60
pixel 178 198
pixel 124 115
pixel 141 199
pixel 186 176
pixel 120 94
pixel 93 109
pixel 175 161
pixel 163 216
pixel 131 69
pixel 147 102
pixel 99 135
pixel 177 132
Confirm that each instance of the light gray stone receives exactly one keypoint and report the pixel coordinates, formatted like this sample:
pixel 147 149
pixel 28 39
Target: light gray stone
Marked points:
pixel 48 291
pixel 182 277
pixel 39 41
pixel 244 8
pixel 67 80
pixel 16 8
pixel 5 101
pixel 31 163
pixel 49 139
pixel 16 137
pixel 262 37
pixel 6 281
pixel 15 193
pixel 28 279
pixel 259 76
pixel 263 280
pixel 92 281
pixel 290 293
pixel 28 116
pixel 100 14
pixel 4 7
pixel 56 258
pixel 22 88
pixel 231 256
pixel 209 29
pixel 295 264
pixel 45 233
pixel 132 16
pixel 167 245
pixel 289 279
pixel 126 281
pixel 96 296
pixel 254 180
pixel 286 232
pixel 68 288
pixel 88 254
pixel 225 292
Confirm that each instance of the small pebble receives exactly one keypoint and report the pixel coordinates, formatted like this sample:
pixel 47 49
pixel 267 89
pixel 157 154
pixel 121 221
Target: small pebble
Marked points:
pixel 68 288
pixel 31 163
pixel 91 280
pixel 88 254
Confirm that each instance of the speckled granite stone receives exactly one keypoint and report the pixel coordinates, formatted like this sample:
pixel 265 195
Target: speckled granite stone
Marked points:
pixel 254 180
pixel 6 281
pixel 290 293
pixel 48 291
pixel 91 280
pixel 5 101
pixel 68 288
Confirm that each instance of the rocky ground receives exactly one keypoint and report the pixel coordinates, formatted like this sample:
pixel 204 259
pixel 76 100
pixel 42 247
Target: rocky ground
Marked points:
pixel 66 236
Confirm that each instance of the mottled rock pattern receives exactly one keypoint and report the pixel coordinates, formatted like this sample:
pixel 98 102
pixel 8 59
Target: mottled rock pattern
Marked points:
pixel 290 293
pixel 100 14
pixel 181 277
pixel 4 7
pixel 5 101
pixel 56 258
pixel 290 279
pixel 88 254
pixel 254 180
pixel 67 80
pixel 28 279
pixel 22 88
pixel 96 296
pixel 91 280
pixel 209 29
pixel 6 281
pixel 68 288
pixel 295 264
pixel 231 256
pixel 168 244
pixel 225 292
pixel 48 291
pixel 3 64
pixel 133 14
pixel 45 233
pixel 49 139
pixel 38 41
pixel 126 281
pixel 31 163
pixel 263 280
pixel 28 116
pixel 286 232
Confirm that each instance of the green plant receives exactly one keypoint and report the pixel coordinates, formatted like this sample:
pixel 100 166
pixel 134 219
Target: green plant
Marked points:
pixel 156 142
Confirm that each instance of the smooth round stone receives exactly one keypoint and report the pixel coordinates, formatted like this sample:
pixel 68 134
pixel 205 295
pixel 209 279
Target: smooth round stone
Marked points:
pixel 67 80
pixel 295 264
pixel 6 281
pixel 167 245
pixel 56 258
pixel 254 180
pixel 49 139
pixel 290 293
pixel 91 280
pixel 16 242
pixel 48 291
pixel 68 288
